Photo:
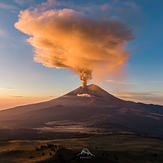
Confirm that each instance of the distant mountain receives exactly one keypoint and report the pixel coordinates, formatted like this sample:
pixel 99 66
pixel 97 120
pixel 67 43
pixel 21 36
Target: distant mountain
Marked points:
pixel 86 110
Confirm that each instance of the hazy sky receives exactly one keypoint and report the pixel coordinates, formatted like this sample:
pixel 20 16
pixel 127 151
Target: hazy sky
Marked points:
pixel 22 80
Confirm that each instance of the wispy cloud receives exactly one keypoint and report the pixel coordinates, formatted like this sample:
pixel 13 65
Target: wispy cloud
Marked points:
pixel 127 83
pixel 20 2
pixel 112 6
pixel 146 97
pixel 50 3
pixel 119 82
pixel 23 2
pixel 2 32
pixel 7 88
pixel 156 82
pixel 16 100
pixel 6 6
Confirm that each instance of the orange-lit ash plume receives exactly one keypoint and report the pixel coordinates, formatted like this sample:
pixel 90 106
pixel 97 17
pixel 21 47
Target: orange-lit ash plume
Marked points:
pixel 68 39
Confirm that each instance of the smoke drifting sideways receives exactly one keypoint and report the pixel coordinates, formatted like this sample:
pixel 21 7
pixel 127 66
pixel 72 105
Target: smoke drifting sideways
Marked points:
pixel 69 39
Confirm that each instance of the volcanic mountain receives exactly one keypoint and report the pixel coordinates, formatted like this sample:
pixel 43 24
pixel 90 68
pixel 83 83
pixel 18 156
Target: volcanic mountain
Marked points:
pixel 88 110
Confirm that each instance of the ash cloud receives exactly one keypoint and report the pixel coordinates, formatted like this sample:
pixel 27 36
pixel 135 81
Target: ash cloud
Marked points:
pixel 69 39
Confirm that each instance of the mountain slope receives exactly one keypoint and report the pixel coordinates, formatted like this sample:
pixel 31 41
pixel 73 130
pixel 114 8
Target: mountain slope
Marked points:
pixel 89 109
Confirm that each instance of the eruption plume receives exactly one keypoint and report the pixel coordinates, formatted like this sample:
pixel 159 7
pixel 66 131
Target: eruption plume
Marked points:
pixel 84 76
pixel 68 39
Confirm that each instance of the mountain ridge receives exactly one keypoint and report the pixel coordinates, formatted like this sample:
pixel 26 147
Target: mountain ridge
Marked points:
pixel 89 109
pixel 77 91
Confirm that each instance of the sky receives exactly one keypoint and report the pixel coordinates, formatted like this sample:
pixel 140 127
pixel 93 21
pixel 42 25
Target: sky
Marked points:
pixel 24 81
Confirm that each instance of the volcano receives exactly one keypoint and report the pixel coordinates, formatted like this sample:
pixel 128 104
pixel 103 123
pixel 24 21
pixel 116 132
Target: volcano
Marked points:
pixel 87 109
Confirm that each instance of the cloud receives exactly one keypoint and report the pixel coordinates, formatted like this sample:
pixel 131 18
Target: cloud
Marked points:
pixel 7 88
pixel 11 101
pixel 7 6
pixel 24 2
pixel 132 5
pixel 113 5
pixel 20 2
pixel 119 82
pixel 125 10
pixel 2 33
pixel 66 38
pixel 105 7
pixel 54 3
pixel 146 97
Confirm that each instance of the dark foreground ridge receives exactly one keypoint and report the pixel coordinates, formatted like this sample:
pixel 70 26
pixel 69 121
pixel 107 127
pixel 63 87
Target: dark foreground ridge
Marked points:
pixel 83 111
pixel 93 149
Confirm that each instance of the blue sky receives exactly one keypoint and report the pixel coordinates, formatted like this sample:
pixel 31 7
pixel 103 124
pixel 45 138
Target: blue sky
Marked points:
pixel 22 78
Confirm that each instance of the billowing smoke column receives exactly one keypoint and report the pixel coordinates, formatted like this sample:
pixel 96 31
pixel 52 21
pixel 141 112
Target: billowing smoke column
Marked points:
pixel 84 76
pixel 68 39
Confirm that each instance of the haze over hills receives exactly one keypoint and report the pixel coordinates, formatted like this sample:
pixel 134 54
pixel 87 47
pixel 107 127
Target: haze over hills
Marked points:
pixel 86 110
